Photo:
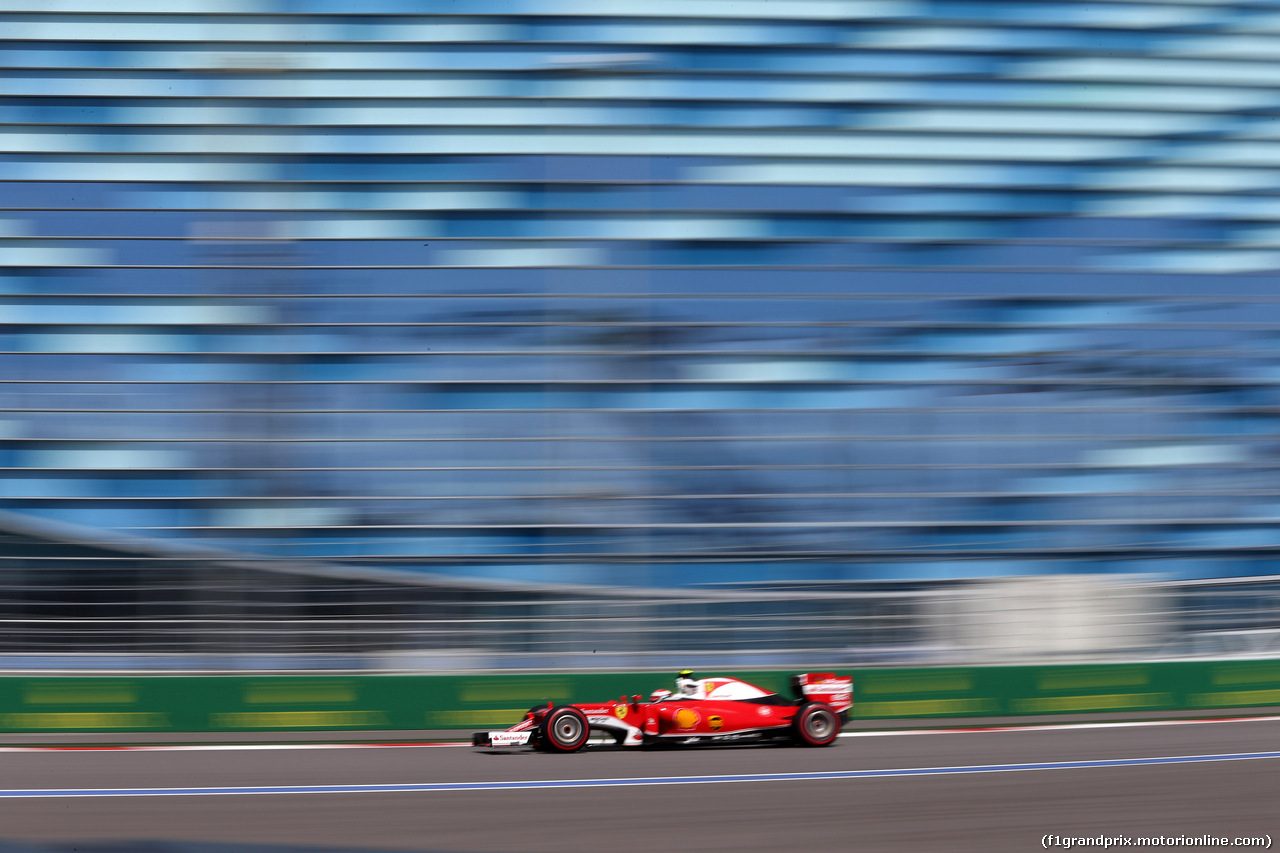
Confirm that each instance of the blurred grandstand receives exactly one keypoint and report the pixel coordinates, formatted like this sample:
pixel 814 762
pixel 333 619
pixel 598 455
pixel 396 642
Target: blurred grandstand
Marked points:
pixel 603 334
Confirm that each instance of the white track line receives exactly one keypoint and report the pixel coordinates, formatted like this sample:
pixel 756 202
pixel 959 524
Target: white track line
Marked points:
pixel 1053 727
pixel 246 747
pixel 508 785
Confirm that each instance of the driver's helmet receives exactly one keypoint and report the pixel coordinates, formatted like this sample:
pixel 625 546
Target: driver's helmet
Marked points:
pixel 659 695
pixel 686 684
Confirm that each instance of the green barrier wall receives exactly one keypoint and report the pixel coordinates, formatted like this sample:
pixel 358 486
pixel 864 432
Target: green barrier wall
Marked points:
pixel 371 702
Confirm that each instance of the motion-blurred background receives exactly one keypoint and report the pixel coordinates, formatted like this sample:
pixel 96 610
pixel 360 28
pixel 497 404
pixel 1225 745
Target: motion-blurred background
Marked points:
pixel 536 333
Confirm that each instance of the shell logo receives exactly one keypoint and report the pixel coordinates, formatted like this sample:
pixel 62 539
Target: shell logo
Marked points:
pixel 686 719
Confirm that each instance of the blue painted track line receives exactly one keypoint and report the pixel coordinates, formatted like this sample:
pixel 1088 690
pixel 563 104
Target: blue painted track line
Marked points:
pixel 422 787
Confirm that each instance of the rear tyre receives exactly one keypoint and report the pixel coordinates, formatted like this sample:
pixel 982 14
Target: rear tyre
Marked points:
pixel 815 724
pixel 563 729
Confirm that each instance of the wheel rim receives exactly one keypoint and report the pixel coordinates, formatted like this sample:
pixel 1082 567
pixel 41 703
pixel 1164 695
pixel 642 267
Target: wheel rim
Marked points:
pixel 567 729
pixel 819 725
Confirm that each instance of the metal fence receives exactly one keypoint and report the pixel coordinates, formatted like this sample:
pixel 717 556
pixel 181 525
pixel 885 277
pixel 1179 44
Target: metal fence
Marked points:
pixel 191 615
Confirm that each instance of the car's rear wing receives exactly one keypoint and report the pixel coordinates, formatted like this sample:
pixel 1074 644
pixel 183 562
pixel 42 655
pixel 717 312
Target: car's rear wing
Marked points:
pixel 834 690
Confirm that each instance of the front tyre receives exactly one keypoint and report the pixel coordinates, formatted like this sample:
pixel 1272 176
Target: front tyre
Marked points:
pixel 815 724
pixel 563 729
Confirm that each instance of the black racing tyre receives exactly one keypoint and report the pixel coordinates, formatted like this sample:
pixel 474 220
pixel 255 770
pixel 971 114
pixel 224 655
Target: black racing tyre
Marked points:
pixel 815 724
pixel 563 729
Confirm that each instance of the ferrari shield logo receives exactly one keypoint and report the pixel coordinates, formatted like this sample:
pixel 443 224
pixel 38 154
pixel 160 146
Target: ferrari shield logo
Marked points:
pixel 716 723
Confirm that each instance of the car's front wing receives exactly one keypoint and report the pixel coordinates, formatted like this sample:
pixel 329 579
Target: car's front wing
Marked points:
pixel 521 734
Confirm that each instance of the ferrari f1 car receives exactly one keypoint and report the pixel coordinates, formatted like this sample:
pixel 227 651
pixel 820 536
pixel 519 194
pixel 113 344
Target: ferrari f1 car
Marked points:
pixel 708 710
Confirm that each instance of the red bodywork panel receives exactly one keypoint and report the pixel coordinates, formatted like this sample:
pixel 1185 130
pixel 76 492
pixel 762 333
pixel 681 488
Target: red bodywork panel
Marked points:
pixel 723 709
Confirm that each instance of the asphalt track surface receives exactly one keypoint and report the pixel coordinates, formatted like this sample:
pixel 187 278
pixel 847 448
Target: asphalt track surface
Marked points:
pixel 1081 781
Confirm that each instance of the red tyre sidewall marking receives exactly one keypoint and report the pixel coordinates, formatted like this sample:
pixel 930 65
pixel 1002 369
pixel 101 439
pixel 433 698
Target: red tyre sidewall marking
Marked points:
pixel 805 713
pixel 586 730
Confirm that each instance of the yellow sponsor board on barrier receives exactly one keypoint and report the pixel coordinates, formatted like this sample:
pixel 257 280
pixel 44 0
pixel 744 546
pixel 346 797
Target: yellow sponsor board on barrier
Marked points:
pixel 1249 673
pixel 297 719
pixel 84 720
pixel 925 707
pixel 1094 677
pixel 477 717
pixel 1095 702
pixel 1227 698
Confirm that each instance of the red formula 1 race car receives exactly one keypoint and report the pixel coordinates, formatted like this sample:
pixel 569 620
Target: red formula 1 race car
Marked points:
pixel 707 710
